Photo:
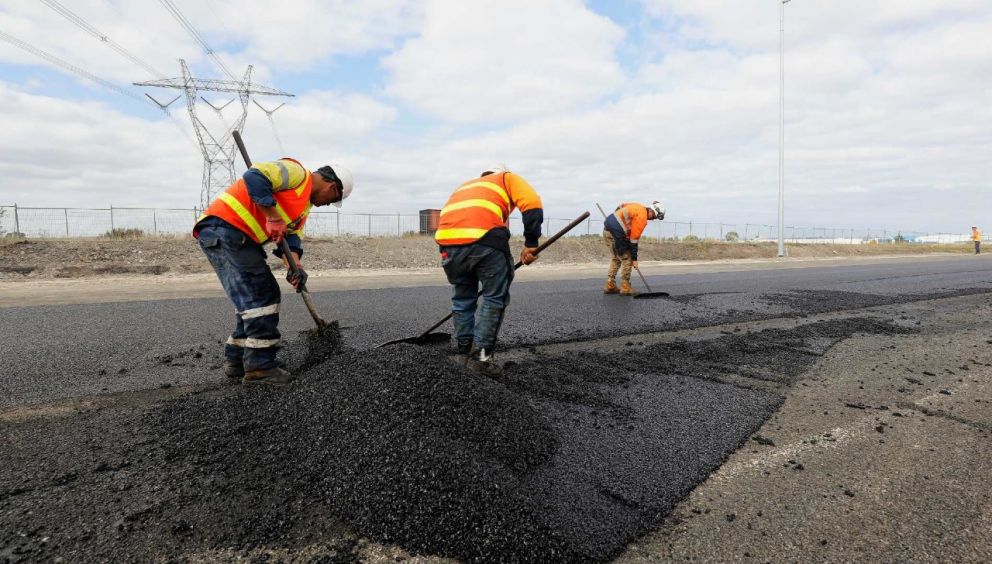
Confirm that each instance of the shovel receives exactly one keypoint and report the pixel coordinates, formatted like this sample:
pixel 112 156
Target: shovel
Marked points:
pixel 286 252
pixel 646 295
pixel 428 338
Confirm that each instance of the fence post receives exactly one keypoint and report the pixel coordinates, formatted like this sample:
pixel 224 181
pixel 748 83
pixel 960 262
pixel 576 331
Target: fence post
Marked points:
pixel 721 231
pixel 17 221
pixel 690 228
pixel 337 220
pixel 398 233
pixel 370 225
pixel 589 226
pixel 111 218
pixel 154 222
pixel 65 212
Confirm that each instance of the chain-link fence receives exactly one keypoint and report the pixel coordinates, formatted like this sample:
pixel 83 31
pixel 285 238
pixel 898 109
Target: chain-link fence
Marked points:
pixel 97 222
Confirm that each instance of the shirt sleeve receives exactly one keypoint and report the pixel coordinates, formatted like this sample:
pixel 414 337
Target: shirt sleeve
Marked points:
pixel 259 188
pixel 523 196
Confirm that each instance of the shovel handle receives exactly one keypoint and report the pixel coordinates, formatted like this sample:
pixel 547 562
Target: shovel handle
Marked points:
pixel 547 243
pixel 644 280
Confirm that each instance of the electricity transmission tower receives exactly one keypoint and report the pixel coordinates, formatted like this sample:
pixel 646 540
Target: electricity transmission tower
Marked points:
pixel 217 149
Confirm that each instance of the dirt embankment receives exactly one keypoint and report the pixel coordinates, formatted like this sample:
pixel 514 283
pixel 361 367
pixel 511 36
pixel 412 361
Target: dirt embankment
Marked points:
pixel 74 258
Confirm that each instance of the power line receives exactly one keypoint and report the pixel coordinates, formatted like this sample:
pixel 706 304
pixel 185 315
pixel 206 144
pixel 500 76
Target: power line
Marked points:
pixel 188 26
pixel 87 75
pixel 83 25
pixel 68 66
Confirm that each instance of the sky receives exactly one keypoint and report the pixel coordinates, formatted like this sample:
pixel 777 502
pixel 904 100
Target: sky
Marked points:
pixel 888 120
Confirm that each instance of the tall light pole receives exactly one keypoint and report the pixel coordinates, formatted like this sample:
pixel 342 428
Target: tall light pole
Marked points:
pixel 781 127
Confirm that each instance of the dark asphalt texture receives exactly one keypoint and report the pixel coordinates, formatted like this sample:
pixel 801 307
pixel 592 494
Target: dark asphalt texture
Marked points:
pixel 567 460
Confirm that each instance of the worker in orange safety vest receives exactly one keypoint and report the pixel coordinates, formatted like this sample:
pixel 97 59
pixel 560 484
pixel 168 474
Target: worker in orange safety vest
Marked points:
pixel 622 231
pixel 976 236
pixel 271 202
pixel 474 240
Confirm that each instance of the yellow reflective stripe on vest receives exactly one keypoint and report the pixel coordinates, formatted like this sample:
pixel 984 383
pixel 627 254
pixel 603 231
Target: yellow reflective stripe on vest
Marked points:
pixel 282 175
pixel 489 185
pixel 282 213
pixel 296 230
pixel 446 234
pixel 245 216
pixel 303 185
pixel 474 204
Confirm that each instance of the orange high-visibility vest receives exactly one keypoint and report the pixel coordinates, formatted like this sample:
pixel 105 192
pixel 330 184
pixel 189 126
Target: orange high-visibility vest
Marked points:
pixel 633 218
pixel 236 207
pixel 483 204
pixel 976 235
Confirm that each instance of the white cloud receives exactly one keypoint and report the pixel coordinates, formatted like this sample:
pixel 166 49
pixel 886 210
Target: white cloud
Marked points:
pixel 887 108
pixel 500 61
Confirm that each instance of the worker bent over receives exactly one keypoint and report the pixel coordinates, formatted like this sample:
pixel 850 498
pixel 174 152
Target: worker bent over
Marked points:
pixel 475 249
pixel 270 202
pixel 622 231
pixel 976 236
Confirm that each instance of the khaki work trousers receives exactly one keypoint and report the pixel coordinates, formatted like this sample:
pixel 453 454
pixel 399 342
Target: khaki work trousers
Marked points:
pixel 617 262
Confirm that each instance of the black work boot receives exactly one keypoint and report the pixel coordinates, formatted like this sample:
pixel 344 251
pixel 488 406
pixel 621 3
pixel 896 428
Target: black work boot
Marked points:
pixel 464 348
pixel 234 369
pixel 481 362
pixel 274 376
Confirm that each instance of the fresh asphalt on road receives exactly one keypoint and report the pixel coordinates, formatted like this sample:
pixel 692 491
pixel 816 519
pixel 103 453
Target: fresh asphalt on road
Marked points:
pixel 67 351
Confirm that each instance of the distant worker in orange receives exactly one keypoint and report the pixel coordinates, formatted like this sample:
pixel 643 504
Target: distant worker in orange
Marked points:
pixel 474 240
pixel 976 236
pixel 622 231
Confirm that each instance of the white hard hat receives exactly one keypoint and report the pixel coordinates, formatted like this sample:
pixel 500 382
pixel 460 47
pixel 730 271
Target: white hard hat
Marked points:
pixel 495 169
pixel 343 175
pixel 659 209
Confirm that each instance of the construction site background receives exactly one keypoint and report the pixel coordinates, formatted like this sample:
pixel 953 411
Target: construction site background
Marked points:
pixel 36 222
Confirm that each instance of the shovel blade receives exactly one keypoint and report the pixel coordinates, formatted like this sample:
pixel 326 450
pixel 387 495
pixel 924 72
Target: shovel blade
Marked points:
pixel 423 340
pixel 651 295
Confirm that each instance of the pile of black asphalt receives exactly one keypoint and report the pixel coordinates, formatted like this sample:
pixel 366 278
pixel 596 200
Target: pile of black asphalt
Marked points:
pixel 566 459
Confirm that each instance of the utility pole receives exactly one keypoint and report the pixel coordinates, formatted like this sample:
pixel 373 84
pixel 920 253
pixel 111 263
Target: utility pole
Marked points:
pixel 217 150
pixel 781 127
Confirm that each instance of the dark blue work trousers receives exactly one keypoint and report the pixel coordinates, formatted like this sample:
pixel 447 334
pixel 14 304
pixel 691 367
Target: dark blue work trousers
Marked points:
pixel 240 264
pixel 467 267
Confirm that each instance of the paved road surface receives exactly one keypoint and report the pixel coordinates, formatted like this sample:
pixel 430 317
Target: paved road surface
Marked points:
pixel 54 352
pixel 879 450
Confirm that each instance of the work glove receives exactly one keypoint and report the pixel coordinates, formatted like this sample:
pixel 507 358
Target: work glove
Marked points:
pixel 275 228
pixel 528 255
pixel 633 264
pixel 298 277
